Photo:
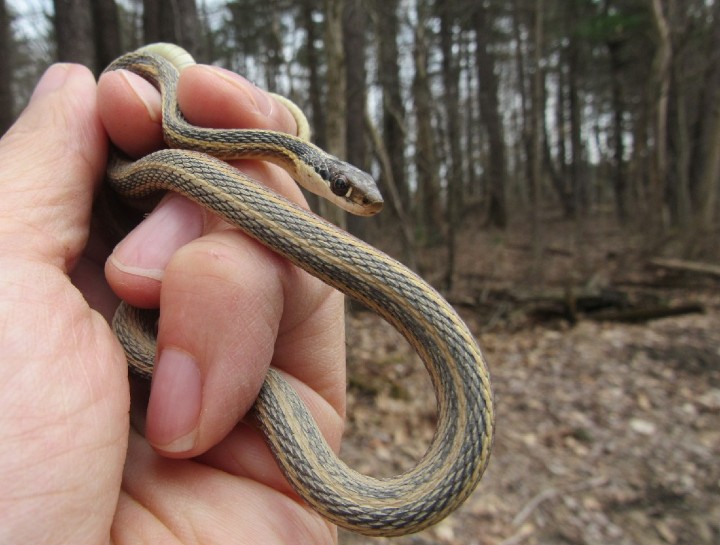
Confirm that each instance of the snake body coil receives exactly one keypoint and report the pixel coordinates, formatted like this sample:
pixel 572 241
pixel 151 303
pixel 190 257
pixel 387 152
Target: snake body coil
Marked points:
pixel 459 452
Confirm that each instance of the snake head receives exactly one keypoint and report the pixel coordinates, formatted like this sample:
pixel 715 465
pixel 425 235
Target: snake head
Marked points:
pixel 346 186
pixel 341 183
pixel 351 188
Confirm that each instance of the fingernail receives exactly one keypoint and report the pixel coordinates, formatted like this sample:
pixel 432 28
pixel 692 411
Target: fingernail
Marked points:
pixel 175 401
pixel 257 99
pixel 147 250
pixel 145 93
pixel 53 78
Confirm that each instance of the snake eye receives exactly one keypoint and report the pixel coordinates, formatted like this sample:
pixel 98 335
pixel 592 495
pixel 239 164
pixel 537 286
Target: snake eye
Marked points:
pixel 340 185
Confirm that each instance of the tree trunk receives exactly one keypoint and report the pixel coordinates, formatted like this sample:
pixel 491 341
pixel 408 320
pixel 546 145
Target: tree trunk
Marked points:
pixel 106 33
pixel 640 167
pixel 335 120
pixel 175 21
pixel 566 188
pixel 397 204
pixel 389 76
pixel 7 106
pixel 526 114
pixel 316 90
pixel 355 45
pixel 710 177
pixel 537 140
pixel 705 175
pixel 578 179
pixel 619 176
pixel 577 150
pixel 471 187
pixel 154 23
pixel 450 76
pixel 274 58
pixel 74 32
pixel 335 55
pixel 490 116
pixel 660 94
pixel 679 152
pixel 426 161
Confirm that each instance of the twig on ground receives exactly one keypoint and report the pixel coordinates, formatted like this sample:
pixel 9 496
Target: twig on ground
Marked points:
pixel 547 494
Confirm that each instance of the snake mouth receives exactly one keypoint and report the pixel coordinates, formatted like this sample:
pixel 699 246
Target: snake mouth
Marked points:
pixel 372 207
pixel 367 203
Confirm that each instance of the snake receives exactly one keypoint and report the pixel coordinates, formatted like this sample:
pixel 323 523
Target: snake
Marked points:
pixel 194 165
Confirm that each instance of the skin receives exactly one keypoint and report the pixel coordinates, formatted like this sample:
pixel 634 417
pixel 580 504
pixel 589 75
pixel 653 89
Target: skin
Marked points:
pixel 73 469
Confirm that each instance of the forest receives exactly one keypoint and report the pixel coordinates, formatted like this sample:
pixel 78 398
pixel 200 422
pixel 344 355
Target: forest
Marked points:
pixel 553 168
pixel 466 110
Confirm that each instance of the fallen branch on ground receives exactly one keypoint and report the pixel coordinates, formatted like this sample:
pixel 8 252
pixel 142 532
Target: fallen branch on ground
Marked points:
pixel 687 266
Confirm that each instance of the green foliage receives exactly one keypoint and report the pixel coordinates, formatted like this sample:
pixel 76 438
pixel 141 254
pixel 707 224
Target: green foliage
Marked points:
pixel 604 27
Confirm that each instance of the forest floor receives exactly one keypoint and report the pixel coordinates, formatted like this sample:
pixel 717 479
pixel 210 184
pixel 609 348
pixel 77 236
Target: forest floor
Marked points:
pixel 606 432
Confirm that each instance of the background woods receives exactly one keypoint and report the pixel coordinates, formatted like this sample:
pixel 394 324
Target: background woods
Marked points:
pixel 544 162
pixel 471 113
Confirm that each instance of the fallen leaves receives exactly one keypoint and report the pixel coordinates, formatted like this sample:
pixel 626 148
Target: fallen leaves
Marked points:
pixel 606 433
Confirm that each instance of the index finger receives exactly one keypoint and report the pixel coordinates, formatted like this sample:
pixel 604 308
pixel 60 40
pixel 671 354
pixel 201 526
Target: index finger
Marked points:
pixel 130 107
pixel 303 315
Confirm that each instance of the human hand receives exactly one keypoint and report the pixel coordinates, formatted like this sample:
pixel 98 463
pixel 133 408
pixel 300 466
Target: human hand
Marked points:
pixel 73 471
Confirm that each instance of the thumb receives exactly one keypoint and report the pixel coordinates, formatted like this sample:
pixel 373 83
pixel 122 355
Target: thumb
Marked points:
pixel 53 158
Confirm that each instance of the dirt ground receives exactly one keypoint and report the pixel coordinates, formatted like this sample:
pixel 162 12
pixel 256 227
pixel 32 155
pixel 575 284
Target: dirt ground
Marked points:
pixel 606 432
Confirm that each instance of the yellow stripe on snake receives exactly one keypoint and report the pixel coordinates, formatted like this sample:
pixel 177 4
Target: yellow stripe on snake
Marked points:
pixel 458 454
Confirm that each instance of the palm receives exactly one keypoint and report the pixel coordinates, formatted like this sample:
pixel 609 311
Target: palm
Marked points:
pixel 199 502
pixel 73 469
